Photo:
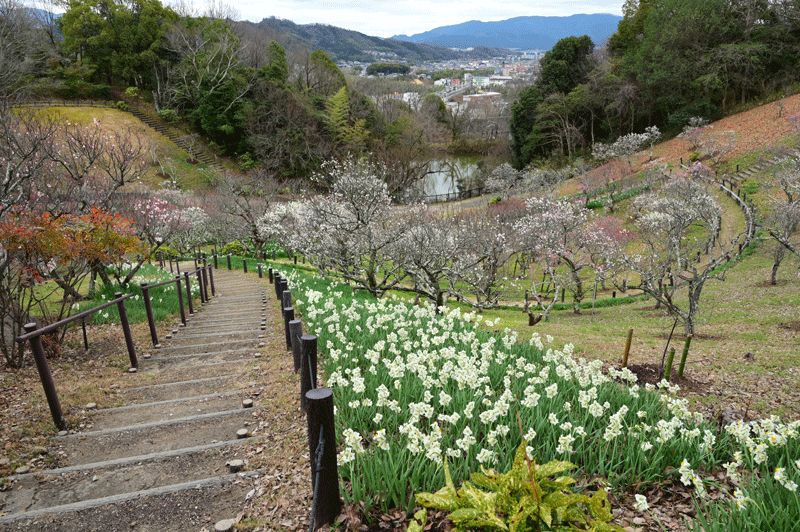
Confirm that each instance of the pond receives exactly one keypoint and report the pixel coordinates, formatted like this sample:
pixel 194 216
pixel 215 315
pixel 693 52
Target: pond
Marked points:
pixel 448 173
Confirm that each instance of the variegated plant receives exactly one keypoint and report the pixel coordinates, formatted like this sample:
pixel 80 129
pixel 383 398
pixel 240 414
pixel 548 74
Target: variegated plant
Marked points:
pixel 525 498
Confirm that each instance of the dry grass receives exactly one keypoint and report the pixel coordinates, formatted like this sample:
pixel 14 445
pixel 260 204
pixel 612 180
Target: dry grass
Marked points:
pixel 162 152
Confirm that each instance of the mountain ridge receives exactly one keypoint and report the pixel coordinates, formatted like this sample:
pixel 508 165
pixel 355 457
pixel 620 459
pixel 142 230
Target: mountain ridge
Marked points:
pixel 348 45
pixel 518 32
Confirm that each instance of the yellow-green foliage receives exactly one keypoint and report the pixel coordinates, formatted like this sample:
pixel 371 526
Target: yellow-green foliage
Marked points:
pixel 525 498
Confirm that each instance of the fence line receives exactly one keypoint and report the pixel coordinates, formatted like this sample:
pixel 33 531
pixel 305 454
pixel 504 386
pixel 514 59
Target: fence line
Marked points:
pixel 33 333
pixel 317 403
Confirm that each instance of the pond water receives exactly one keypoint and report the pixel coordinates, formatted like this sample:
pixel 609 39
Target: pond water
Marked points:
pixel 448 172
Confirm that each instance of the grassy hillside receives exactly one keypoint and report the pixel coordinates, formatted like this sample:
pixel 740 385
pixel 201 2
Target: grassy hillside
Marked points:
pixel 167 160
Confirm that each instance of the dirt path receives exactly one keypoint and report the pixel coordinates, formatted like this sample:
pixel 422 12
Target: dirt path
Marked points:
pixel 164 457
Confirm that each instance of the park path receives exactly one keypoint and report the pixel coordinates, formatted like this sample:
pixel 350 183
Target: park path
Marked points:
pixel 167 458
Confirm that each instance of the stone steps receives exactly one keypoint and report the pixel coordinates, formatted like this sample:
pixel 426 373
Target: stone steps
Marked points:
pixel 160 462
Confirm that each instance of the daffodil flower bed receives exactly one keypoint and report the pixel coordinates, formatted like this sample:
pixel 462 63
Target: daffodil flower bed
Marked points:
pixel 413 386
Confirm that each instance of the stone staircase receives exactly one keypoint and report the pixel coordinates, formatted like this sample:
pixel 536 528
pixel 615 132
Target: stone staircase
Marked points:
pixel 159 125
pixel 171 457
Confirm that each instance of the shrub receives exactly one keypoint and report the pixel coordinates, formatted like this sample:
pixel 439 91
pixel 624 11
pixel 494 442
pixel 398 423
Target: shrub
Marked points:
pixel 122 106
pixel 169 116
pixel 233 248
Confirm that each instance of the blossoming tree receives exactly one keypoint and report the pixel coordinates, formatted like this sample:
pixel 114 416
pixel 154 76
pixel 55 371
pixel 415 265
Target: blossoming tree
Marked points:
pixel 680 245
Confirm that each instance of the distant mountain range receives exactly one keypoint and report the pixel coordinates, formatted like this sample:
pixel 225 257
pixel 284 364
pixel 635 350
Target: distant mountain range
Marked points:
pixel 519 32
pixel 347 45
pixel 483 39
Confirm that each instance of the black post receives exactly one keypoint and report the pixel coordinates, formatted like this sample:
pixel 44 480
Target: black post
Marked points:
pixel 177 266
pixel 170 263
pixel 244 264
pixel 277 286
pixel 288 315
pixel 211 278
pixel 180 298
pixel 284 286
pixel 215 261
pixel 273 254
pixel 188 292
pixel 286 298
pixel 270 275
pixel 46 378
pixel 229 261
pixel 324 472
pixel 200 285
pixel 126 330
pixel 295 259
pixel 260 273
pixel 308 367
pixel 296 332
pixel 204 273
pixel 85 338
pixel 148 308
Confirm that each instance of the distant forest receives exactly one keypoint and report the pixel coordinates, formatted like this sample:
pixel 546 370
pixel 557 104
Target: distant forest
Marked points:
pixel 257 92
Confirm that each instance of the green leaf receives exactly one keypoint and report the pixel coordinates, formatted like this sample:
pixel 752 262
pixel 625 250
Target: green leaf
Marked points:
pixel 552 468
pixel 600 507
pixel 545 514
pixel 446 499
pixel 414 526
pixel 464 514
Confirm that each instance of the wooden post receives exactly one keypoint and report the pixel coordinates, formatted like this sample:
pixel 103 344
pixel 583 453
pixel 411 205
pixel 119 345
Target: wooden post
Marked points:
pixel 200 285
pixel 260 273
pixel 288 315
pixel 284 286
pixel 322 451
pixel 180 299
pixel 308 367
pixel 277 286
pixel 204 273
pixel 215 261
pixel 627 348
pixel 296 332
pixel 126 330
pixel 229 261
pixel 244 264
pixel 211 278
pixel 271 279
pixel 85 338
pixel 148 308
pixel 286 298
pixel 684 355
pixel 188 292
pixel 46 378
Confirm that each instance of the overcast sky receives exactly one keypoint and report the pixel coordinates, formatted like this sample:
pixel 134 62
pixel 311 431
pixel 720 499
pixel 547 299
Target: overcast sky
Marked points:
pixel 384 18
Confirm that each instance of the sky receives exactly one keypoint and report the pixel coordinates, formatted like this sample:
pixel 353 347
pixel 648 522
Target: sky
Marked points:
pixel 384 18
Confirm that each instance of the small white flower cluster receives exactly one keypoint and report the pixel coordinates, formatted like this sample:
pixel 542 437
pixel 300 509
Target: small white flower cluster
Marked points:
pixel 436 386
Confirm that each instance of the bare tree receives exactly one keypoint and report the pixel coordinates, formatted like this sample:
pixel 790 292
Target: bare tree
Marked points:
pixel 784 220
pixel 247 197
pixel 352 231
pixel 681 249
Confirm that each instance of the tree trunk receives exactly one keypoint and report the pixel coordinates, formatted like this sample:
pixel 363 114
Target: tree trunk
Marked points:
pixel 780 252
